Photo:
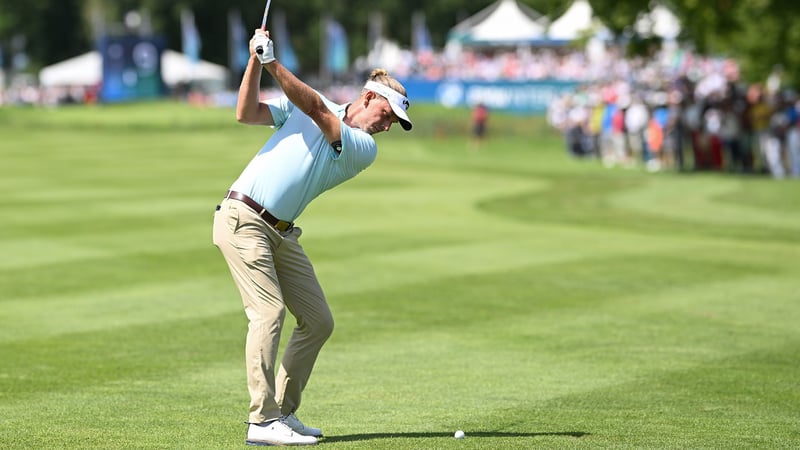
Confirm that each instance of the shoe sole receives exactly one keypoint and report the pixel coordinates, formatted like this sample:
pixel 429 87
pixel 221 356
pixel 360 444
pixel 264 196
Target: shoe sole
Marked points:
pixel 270 444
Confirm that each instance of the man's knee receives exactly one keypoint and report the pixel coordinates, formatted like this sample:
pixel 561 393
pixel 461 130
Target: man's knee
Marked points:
pixel 319 327
pixel 324 327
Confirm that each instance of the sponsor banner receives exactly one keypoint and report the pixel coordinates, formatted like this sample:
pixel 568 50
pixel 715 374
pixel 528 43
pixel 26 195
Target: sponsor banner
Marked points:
pixel 131 68
pixel 524 97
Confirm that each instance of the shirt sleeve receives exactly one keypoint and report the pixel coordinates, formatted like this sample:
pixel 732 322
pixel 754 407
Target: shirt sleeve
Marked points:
pixel 280 107
pixel 358 147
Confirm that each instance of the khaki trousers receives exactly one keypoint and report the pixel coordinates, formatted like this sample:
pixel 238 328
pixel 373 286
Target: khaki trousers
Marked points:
pixel 273 274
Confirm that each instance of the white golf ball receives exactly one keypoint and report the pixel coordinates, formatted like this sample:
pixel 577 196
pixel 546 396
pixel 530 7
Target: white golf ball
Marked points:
pixel 459 434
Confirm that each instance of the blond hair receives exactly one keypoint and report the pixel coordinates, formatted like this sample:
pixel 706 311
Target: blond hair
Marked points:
pixel 382 76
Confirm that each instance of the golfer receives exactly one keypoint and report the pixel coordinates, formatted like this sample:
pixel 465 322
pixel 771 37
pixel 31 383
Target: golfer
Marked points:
pixel 317 145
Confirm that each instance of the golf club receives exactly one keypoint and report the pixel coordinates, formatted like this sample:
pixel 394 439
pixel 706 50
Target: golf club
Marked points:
pixel 260 50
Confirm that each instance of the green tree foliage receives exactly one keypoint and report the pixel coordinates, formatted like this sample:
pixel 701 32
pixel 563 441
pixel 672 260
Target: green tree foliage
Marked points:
pixel 758 33
pixel 45 30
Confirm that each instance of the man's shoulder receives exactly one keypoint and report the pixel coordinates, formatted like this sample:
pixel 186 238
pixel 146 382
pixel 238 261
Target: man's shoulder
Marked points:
pixel 359 144
pixel 337 108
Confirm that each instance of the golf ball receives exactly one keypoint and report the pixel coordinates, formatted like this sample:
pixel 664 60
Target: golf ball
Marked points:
pixel 459 434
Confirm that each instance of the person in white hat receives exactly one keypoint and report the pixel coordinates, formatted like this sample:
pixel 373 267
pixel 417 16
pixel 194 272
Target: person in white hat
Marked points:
pixel 317 145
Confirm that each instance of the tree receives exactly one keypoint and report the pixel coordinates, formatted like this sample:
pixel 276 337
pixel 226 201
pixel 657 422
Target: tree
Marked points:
pixel 758 33
pixel 38 29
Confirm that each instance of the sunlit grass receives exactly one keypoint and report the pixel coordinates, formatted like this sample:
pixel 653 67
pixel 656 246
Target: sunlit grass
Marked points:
pixel 532 300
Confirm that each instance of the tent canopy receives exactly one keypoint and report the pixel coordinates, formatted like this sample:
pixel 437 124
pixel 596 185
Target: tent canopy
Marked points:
pixel 576 21
pixel 87 70
pixel 83 70
pixel 660 21
pixel 178 68
pixel 504 22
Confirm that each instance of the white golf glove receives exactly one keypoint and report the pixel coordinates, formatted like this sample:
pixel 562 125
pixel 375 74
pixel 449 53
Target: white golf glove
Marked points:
pixel 267 53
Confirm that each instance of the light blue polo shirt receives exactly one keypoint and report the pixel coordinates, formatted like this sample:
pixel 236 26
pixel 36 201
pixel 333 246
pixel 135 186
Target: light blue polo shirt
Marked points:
pixel 297 163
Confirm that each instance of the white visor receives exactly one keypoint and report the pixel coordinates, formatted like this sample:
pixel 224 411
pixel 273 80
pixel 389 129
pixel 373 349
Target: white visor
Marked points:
pixel 397 101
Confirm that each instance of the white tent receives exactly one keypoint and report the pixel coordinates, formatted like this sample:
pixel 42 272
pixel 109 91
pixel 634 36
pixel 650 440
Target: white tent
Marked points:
pixel 83 70
pixel 87 70
pixel 504 22
pixel 178 68
pixel 577 20
pixel 660 21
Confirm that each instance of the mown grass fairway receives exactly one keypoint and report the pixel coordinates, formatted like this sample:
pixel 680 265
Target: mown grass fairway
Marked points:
pixel 531 300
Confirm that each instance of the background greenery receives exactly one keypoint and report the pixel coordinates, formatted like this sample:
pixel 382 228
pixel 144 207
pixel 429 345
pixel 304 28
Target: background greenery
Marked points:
pixel 758 33
pixel 527 298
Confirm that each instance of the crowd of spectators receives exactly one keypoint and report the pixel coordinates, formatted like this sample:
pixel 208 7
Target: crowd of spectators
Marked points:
pixel 674 110
pixel 685 114
pixel 521 64
pixel 524 63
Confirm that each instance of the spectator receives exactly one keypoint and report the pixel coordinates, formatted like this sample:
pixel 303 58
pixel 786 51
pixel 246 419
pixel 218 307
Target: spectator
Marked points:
pixel 731 133
pixel 712 139
pixel 693 124
pixel 760 113
pixel 793 136
pixel 656 132
pixel 673 132
pixel 577 119
pixel 775 138
pixel 636 119
pixel 597 110
pixel 618 134
pixel 480 117
pixel 607 153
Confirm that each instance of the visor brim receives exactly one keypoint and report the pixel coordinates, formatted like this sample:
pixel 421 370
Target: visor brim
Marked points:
pixel 402 116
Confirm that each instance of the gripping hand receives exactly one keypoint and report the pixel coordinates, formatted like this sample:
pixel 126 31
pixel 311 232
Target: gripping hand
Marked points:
pixel 264 49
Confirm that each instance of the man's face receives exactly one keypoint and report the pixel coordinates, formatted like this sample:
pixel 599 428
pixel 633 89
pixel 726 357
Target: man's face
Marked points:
pixel 378 115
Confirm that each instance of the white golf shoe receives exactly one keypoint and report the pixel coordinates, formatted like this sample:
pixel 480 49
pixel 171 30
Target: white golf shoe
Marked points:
pixel 276 433
pixel 294 423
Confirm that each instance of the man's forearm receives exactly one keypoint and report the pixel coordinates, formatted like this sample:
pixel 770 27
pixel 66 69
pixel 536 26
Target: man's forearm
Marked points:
pixel 306 100
pixel 247 103
pixel 299 93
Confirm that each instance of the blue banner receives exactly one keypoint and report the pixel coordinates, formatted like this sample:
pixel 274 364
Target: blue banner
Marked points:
pixel 283 44
pixel 421 37
pixel 239 42
pixel 131 68
pixel 337 58
pixel 523 97
pixel 190 36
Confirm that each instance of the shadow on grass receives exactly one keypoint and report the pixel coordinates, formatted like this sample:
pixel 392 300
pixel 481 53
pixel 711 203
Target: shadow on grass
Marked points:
pixel 485 434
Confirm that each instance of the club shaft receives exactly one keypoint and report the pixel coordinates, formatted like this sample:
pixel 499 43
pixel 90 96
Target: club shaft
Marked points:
pixel 266 12
pixel 260 50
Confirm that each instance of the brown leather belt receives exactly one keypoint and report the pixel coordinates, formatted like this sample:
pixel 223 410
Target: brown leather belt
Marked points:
pixel 276 223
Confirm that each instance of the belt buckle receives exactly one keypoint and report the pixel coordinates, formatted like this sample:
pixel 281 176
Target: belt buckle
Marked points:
pixel 283 226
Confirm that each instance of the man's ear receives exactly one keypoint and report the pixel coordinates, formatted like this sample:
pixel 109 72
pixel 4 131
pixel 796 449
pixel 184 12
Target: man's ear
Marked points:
pixel 368 96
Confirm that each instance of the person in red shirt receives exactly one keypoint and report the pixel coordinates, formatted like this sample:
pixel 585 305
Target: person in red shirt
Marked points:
pixel 480 116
